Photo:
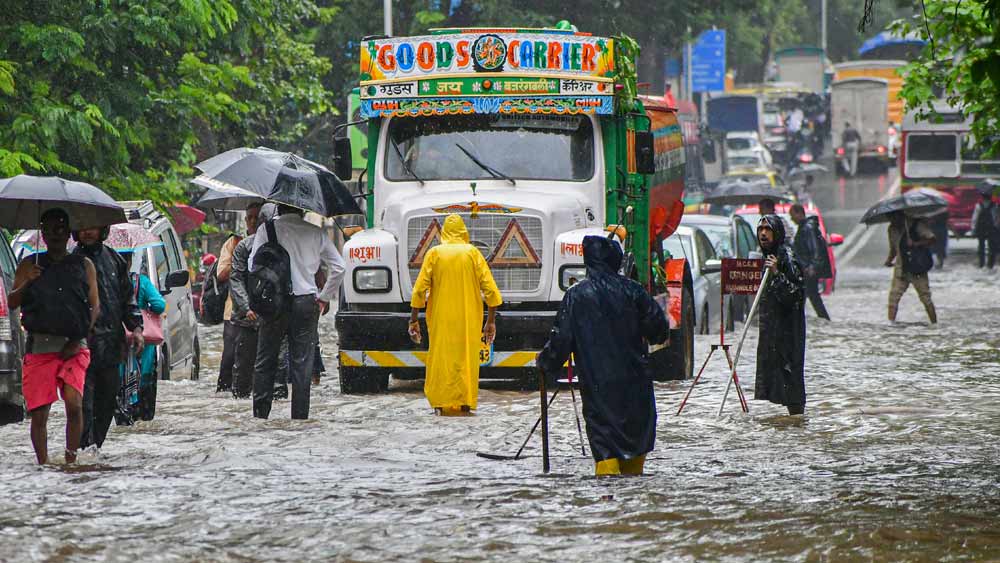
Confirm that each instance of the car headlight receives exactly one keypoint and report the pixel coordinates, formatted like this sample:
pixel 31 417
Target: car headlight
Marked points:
pixel 372 280
pixel 570 275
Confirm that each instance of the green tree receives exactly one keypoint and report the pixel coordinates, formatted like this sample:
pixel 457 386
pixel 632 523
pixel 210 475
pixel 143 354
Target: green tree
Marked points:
pixel 960 62
pixel 128 95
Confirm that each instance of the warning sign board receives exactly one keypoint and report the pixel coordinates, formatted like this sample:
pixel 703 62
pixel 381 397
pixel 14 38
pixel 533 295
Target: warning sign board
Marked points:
pixel 741 276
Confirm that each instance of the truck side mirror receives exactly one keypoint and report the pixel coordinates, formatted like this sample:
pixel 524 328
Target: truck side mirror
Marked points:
pixel 645 157
pixel 342 158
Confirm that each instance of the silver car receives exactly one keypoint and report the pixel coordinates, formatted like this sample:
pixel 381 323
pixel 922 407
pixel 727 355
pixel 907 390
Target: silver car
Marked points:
pixel 11 341
pixel 694 245
pixel 180 354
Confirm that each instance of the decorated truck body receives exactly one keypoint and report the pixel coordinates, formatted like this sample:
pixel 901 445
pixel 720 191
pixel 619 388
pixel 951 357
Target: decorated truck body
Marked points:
pixel 536 139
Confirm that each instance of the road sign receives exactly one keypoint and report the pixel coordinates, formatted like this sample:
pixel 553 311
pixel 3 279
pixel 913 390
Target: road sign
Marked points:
pixel 708 62
pixel 741 276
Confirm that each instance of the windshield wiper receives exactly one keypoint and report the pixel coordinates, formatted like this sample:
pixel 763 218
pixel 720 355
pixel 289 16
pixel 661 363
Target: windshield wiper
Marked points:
pixel 492 171
pixel 402 161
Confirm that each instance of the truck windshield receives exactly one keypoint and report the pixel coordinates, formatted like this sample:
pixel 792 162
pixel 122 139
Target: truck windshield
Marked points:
pixel 521 146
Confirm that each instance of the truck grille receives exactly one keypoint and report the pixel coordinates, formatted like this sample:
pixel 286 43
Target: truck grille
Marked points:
pixel 485 232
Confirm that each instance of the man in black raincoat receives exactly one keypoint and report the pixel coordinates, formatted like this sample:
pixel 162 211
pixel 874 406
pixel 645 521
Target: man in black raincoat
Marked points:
pixel 781 347
pixel 812 255
pixel 606 322
pixel 107 339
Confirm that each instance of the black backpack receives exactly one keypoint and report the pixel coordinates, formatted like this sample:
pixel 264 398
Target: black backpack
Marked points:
pixel 213 296
pixel 271 276
pixel 916 260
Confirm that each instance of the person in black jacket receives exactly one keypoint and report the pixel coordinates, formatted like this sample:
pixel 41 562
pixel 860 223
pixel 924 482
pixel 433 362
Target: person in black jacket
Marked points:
pixel 107 339
pixel 607 322
pixel 812 256
pixel 781 347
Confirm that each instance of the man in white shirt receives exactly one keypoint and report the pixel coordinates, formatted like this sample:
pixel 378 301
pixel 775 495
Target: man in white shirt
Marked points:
pixel 308 248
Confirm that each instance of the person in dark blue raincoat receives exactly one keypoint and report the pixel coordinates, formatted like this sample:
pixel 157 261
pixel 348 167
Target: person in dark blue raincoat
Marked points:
pixel 781 347
pixel 606 322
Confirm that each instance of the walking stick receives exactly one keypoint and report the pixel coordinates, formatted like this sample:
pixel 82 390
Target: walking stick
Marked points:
pixel 545 420
pixel 739 347
pixel 579 429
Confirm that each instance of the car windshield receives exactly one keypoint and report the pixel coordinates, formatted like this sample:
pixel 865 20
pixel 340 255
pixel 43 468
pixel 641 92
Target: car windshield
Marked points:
pixel 932 147
pixel 721 238
pixel 739 143
pixel 542 147
pixel 678 246
pixel 743 161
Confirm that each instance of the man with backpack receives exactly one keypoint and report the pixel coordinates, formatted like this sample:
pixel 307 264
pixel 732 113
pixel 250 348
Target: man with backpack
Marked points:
pixel 223 272
pixel 243 318
pixel 910 241
pixel 984 227
pixel 287 252
pixel 812 255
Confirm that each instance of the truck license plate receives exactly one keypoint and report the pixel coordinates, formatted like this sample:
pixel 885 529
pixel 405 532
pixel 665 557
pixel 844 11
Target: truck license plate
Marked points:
pixel 485 352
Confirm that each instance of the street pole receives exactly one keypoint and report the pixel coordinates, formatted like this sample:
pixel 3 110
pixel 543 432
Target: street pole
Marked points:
pixel 387 17
pixel 687 75
pixel 822 23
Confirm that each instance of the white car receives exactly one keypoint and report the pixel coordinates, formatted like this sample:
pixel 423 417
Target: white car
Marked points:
pixel 744 142
pixel 745 160
pixel 694 245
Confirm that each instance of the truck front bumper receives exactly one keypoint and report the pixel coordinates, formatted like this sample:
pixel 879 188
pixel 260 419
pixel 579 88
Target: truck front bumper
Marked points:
pixel 381 340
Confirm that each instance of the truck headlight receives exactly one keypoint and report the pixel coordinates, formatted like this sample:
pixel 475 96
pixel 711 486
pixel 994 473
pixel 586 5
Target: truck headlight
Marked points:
pixel 570 275
pixel 372 280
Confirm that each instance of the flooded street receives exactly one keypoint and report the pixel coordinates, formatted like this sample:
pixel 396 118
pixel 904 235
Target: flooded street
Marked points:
pixel 898 457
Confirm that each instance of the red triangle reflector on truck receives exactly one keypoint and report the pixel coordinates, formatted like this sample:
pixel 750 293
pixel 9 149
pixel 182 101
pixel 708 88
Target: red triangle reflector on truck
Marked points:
pixel 520 254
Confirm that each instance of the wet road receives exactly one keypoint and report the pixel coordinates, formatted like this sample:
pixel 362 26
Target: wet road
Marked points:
pixel 897 459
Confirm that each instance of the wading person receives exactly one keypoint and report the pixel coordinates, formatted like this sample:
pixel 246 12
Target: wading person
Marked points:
pixel 230 330
pixel 781 346
pixel 453 282
pixel 148 298
pixel 107 340
pixel 307 247
pixel 812 255
pixel 58 296
pixel 607 322
pixel 851 141
pixel 910 259
pixel 243 317
pixel 984 228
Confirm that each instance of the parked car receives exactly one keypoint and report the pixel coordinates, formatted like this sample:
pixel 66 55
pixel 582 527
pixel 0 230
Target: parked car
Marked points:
pixel 694 245
pixel 181 350
pixel 11 336
pixel 743 142
pixel 752 216
pixel 732 237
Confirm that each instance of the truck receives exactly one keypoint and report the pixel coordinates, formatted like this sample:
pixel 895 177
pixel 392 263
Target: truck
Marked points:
pixel 805 65
pixel 862 102
pixel 536 138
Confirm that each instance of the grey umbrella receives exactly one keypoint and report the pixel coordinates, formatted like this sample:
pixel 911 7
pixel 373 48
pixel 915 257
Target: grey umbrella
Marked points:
pixel 279 177
pixel 739 191
pixel 915 203
pixel 224 197
pixel 23 200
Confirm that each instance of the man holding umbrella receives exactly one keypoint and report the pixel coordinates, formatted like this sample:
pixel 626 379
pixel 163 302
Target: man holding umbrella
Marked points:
pixel 910 241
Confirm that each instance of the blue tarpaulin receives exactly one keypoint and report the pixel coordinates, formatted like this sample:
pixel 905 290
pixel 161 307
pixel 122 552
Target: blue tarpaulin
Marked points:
pixel 887 38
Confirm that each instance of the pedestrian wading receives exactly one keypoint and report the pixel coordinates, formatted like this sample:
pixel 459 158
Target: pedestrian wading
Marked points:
pixel 289 310
pixel 244 319
pixel 607 322
pixel 453 281
pixel 781 346
pixel 910 258
pixel 59 300
pixel 812 255
pixel 107 340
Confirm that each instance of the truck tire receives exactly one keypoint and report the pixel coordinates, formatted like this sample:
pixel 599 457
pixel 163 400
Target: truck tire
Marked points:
pixel 681 349
pixel 363 380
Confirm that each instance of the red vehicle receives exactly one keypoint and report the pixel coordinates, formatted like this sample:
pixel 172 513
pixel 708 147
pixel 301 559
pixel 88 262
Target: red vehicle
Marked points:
pixel 942 154
pixel 752 216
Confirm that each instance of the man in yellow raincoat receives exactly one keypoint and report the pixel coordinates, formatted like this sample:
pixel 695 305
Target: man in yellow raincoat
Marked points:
pixel 453 282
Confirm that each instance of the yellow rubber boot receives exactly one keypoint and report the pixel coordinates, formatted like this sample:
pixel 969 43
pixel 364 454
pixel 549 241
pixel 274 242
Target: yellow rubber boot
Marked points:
pixel 608 466
pixel 633 466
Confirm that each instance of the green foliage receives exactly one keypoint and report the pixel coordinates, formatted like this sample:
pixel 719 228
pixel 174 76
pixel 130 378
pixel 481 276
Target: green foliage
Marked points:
pixel 128 95
pixel 960 61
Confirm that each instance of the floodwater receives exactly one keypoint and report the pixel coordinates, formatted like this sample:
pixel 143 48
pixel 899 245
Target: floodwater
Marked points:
pixel 896 459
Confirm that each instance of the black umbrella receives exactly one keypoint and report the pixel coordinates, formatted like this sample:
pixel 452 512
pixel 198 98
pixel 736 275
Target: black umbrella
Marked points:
pixel 280 177
pixel 23 200
pixel 914 203
pixel 740 191
pixel 989 187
